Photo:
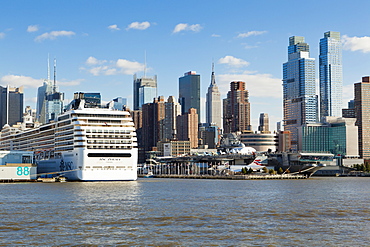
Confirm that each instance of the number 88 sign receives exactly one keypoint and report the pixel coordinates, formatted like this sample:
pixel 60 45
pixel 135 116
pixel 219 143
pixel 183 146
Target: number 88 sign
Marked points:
pixel 23 171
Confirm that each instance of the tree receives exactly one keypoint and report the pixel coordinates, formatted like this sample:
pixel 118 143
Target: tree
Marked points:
pixel 265 170
pixel 280 170
pixel 271 171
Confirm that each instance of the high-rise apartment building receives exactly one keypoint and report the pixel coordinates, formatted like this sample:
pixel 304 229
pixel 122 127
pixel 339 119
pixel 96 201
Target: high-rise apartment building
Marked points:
pixel 213 103
pixel 331 81
pixel 187 127
pixel 189 92
pixel 11 102
pixel 172 110
pixel 237 109
pixel 362 112
pixel 145 90
pixel 264 126
pixel 153 115
pixel 300 104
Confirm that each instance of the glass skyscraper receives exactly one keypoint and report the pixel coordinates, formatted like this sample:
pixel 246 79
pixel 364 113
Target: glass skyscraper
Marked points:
pixel 331 81
pixel 300 103
pixel 189 92
pixel 145 90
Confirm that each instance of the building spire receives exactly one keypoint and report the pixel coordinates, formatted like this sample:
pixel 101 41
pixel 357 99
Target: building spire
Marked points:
pixel 213 79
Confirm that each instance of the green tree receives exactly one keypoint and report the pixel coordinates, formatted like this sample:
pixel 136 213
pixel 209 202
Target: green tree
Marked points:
pixel 271 171
pixel 265 170
pixel 280 170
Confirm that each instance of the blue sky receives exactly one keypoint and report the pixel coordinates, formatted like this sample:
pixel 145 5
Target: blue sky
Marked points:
pixel 99 45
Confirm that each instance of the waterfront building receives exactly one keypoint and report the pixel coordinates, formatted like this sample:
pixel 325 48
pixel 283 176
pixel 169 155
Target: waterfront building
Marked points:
pixel 189 92
pixel 362 112
pixel 172 110
pixel 300 103
pixel 237 109
pixel 187 127
pixel 213 103
pixel 11 102
pixel 264 126
pixel 262 142
pixel 285 142
pixel 145 90
pixel 336 135
pixel 209 135
pixel 331 81
pixel 173 148
pixel 153 115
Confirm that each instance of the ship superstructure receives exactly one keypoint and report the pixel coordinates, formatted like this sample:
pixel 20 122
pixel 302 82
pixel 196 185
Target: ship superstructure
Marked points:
pixel 89 144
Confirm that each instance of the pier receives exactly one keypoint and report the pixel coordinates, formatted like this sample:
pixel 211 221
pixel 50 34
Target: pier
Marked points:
pixel 229 177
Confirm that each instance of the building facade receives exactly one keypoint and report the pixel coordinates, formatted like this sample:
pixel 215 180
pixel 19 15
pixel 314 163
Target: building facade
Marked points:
pixel 237 109
pixel 264 126
pixel 187 127
pixel 336 135
pixel 172 110
pixel 262 142
pixel 213 103
pixel 11 102
pixel 189 92
pixel 145 90
pixel 300 103
pixel 331 79
pixel 362 112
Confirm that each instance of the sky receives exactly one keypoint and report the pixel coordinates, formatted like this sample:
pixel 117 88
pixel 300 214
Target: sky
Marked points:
pixel 100 45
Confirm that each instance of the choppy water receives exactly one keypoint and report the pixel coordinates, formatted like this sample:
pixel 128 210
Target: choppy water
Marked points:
pixel 174 212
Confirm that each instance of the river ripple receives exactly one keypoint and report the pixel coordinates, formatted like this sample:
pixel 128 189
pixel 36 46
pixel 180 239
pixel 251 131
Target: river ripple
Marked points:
pixel 181 212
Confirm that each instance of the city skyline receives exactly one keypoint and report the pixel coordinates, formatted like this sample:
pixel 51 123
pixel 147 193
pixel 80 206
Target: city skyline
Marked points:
pixel 100 45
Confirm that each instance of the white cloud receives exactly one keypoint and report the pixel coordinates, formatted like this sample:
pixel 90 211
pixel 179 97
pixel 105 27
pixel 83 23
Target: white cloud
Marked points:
pixel 250 33
pixel 114 27
pixel 2 35
pixel 32 28
pixel 215 35
pixel 186 27
pixel 20 80
pixel 233 61
pixel 258 85
pixel 53 35
pixel 356 43
pixel 139 25
pixel 128 67
pixel 29 82
pixel 121 66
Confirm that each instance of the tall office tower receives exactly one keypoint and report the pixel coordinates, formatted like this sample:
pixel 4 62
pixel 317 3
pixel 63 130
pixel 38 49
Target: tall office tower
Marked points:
pixel 11 105
pixel 153 115
pixel 145 90
pixel 189 92
pixel 331 80
pixel 362 112
pixel 172 110
pixel 264 126
pixel 299 91
pixel 187 127
pixel 237 113
pixel 49 100
pixel 213 103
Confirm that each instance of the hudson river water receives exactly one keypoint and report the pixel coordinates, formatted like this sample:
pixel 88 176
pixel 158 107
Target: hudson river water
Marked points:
pixel 181 212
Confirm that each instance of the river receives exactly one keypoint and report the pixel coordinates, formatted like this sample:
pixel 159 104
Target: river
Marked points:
pixel 187 212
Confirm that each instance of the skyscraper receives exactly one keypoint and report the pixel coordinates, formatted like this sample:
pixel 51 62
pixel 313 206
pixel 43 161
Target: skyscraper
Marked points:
pixel 331 80
pixel 11 102
pixel 189 92
pixel 264 126
pixel 145 90
pixel 300 104
pixel 362 112
pixel 187 127
pixel 213 103
pixel 237 114
pixel 49 100
pixel 172 110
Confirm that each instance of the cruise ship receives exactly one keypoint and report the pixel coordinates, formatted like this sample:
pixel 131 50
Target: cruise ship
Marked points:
pixel 83 143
